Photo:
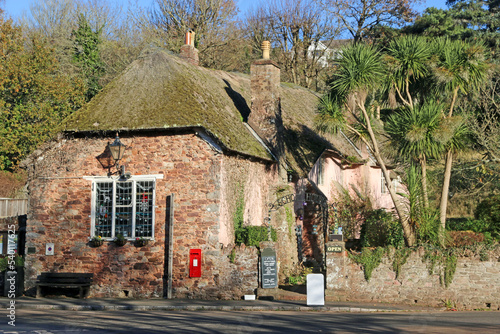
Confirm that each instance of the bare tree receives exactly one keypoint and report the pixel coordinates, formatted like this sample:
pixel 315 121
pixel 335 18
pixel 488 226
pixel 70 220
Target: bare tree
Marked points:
pixel 301 33
pixel 211 20
pixel 484 118
pixel 360 17
pixel 57 19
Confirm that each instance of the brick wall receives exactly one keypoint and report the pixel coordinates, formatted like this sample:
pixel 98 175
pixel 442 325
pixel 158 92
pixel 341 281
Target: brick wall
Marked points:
pixel 476 283
pixel 265 104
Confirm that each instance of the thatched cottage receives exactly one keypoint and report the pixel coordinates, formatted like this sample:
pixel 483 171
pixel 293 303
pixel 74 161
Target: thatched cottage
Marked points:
pixel 202 147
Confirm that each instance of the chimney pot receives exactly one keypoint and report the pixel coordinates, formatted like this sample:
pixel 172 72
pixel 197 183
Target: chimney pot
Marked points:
pixel 266 47
pixel 188 51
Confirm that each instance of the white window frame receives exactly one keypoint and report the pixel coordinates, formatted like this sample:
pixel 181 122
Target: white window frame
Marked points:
pixel 383 189
pixel 395 182
pixel 133 179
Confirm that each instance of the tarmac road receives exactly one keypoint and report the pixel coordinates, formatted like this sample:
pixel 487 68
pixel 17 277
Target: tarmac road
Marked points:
pixel 133 321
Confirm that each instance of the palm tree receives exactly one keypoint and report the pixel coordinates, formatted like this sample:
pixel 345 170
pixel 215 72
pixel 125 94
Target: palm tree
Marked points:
pixel 361 71
pixel 414 133
pixel 407 60
pixel 459 67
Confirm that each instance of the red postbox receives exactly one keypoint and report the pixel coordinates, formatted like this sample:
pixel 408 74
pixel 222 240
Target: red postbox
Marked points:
pixel 195 263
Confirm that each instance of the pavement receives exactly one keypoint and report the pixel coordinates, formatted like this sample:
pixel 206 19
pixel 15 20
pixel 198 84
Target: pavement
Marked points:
pixel 103 304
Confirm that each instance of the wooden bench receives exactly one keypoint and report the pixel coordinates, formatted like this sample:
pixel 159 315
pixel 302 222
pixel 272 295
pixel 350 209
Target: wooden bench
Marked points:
pixel 81 281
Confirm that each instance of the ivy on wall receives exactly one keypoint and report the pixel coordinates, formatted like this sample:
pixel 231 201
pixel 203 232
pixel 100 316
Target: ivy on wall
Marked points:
pixel 369 259
pixel 442 261
pixel 248 235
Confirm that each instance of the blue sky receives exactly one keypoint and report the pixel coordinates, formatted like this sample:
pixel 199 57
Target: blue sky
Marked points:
pixel 15 8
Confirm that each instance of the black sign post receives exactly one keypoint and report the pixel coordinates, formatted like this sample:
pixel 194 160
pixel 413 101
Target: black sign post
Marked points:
pixel 269 270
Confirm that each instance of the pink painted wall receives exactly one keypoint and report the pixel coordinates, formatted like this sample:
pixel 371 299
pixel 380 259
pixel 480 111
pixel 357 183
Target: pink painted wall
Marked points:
pixel 367 179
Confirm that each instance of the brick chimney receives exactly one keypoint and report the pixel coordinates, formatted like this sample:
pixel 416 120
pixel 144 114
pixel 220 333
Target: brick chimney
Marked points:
pixel 265 112
pixel 188 51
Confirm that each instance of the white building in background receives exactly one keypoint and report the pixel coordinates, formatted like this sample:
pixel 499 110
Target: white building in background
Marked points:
pixel 327 51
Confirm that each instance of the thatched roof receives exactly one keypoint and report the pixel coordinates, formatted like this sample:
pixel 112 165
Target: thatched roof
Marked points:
pixel 161 91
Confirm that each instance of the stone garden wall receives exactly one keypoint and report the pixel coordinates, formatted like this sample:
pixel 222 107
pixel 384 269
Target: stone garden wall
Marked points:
pixel 475 285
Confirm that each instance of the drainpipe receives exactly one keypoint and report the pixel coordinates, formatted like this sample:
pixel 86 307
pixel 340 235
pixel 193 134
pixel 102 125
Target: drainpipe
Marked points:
pixel 170 246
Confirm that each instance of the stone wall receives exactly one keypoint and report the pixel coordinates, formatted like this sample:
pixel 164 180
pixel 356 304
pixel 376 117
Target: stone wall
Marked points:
pixel 60 209
pixel 476 283
pixel 257 183
pixel 229 276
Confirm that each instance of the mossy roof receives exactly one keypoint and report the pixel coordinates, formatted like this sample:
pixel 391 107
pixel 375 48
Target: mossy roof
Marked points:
pixel 161 91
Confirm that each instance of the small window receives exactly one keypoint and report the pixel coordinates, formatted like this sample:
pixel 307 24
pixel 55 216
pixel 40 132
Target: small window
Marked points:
pixel 123 207
pixel 321 162
pixel 383 184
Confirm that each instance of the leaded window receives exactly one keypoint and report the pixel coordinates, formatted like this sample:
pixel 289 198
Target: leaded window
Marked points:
pixel 123 207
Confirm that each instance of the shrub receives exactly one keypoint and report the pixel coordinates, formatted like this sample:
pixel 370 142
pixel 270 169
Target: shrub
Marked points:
pixel 428 227
pixel 300 277
pixel 381 229
pixel 348 211
pixel 464 238
pixel 467 224
pixel 253 235
pixel 489 212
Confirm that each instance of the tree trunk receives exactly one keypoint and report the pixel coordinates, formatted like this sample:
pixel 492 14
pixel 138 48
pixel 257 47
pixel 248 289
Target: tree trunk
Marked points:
pixel 423 164
pixel 409 233
pixel 444 194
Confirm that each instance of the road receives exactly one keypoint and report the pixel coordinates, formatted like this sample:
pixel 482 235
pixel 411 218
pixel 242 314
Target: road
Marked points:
pixel 64 321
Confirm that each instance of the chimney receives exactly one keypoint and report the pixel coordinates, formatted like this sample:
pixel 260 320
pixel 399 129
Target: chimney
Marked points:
pixel 265 112
pixel 188 51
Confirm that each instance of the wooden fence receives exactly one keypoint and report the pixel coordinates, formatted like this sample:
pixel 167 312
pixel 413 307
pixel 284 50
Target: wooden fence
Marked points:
pixel 10 207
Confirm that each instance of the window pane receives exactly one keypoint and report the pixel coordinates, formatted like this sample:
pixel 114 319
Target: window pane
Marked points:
pixel 123 193
pixel 144 209
pixel 123 209
pixel 123 221
pixel 104 209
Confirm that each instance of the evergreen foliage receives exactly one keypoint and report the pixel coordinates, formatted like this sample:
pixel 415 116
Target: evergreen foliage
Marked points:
pixel 380 229
pixel 488 212
pixel 34 96
pixel 87 55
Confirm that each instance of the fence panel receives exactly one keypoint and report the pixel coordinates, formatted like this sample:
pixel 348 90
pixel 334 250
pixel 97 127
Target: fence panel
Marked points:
pixel 10 207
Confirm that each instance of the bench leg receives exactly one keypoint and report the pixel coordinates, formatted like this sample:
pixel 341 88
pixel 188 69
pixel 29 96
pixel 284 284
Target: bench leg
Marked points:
pixel 38 291
pixel 82 291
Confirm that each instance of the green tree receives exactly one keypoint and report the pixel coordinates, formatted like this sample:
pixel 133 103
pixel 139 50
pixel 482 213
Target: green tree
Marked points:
pixel 459 68
pixel 414 133
pixel 34 95
pixel 464 19
pixel 360 72
pixel 436 22
pixel 87 55
pixel 407 59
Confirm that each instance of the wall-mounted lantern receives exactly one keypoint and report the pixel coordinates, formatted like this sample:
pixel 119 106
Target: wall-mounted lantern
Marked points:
pixel 117 149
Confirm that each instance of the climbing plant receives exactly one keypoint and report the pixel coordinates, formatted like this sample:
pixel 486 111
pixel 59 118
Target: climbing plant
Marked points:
pixel 442 260
pixel 369 259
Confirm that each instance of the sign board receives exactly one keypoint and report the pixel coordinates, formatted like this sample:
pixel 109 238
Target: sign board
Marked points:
pixel 334 249
pixel 269 269
pixel 315 290
pixel 49 249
